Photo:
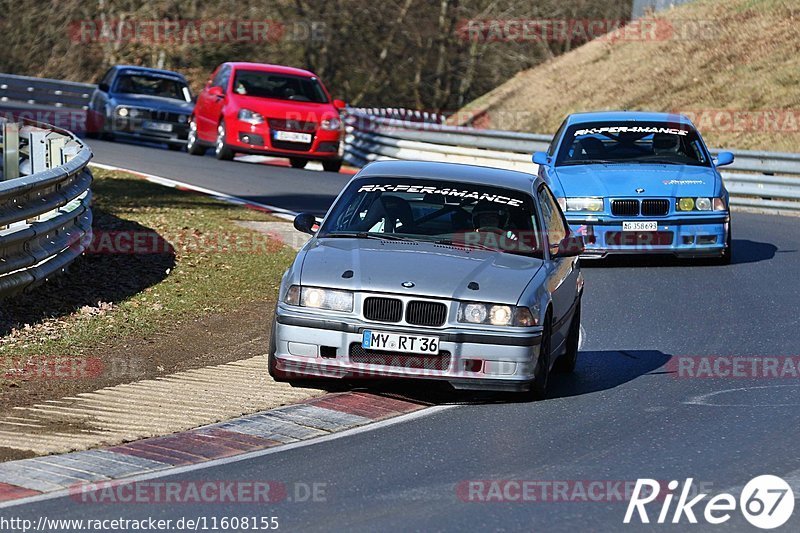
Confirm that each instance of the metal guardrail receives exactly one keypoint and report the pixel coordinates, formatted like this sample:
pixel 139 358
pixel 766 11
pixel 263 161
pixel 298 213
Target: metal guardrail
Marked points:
pixel 45 92
pixel 45 215
pixel 766 180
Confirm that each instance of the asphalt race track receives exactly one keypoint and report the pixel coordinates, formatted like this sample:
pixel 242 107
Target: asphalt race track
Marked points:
pixel 624 414
pixel 289 188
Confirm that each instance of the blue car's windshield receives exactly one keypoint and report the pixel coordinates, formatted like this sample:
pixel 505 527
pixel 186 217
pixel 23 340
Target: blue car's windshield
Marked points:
pixel 446 212
pixel 632 142
pixel 152 86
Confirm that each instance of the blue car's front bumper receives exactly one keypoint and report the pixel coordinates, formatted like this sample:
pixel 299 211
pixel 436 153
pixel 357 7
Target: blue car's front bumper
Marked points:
pixel 680 235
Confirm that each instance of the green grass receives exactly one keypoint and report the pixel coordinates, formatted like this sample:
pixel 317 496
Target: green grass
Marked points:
pixel 107 297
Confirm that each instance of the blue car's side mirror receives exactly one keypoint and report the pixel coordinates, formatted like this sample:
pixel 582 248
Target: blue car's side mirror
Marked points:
pixel 724 158
pixel 541 158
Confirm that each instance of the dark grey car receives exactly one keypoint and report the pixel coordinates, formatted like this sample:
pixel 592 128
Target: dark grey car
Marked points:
pixel 433 270
pixel 142 103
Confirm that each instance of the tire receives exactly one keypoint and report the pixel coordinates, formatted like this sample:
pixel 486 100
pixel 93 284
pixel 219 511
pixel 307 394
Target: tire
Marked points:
pixel 566 363
pixel 221 150
pixel 192 142
pixel 104 132
pixel 272 363
pixel 542 374
pixel 727 256
pixel 92 129
pixel 298 163
pixel 332 166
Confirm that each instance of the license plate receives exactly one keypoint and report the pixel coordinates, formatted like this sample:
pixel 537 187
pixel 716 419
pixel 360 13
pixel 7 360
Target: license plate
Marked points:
pixel 293 136
pixel 399 342
pixel 640 226
pixel 157 126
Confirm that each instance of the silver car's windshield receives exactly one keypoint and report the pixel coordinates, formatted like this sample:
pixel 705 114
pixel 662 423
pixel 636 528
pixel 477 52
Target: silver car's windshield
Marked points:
pixel 444 212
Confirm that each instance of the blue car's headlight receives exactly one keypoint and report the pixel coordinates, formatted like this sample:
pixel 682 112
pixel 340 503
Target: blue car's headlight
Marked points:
pixel 701 203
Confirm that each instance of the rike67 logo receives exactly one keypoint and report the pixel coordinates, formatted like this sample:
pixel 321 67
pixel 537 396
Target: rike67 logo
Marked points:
pixel 766 502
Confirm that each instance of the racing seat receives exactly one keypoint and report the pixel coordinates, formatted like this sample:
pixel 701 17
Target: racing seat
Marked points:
pixel 592 148
pixel 666 144
pixel 393 210
pixel 488 214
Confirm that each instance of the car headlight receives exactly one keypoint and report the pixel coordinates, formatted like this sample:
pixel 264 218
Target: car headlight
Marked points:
pixel 701 203
pixel 122 111
pixel 685 204
pixel 495 314
pixel 183 118
pixel 584 204
pixel 246 115
pixel 331 124
pixel 319 298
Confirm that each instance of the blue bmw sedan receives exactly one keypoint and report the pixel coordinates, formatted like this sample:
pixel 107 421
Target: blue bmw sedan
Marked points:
pixel 641 183
pixel 143 103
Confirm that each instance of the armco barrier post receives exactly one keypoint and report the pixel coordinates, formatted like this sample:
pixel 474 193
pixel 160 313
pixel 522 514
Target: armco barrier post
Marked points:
pixel 10 131
pixel 37 151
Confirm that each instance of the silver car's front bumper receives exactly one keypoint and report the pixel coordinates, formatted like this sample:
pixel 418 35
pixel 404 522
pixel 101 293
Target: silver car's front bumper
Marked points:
pixel 316 345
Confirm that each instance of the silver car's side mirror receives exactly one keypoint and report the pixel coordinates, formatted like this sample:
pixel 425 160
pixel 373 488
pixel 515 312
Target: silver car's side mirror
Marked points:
pixel 571 246
pixel 305 222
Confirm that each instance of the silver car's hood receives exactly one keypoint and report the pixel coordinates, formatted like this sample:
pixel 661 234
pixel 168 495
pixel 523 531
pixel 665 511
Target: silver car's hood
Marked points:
pixel 438 271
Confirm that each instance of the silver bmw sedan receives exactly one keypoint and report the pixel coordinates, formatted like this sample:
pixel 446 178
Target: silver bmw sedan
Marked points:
pixel 433 270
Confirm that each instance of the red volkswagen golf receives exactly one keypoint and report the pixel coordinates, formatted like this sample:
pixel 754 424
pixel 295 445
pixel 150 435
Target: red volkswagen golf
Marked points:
pixel 255 108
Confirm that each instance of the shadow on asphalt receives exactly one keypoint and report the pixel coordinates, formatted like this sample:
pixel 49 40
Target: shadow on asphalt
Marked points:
pixel 602 370
pixel 744 251
pixel 596 371
pixel 93 278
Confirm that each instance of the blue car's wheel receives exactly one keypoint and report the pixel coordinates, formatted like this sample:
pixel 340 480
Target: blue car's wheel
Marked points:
pixel 727 255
